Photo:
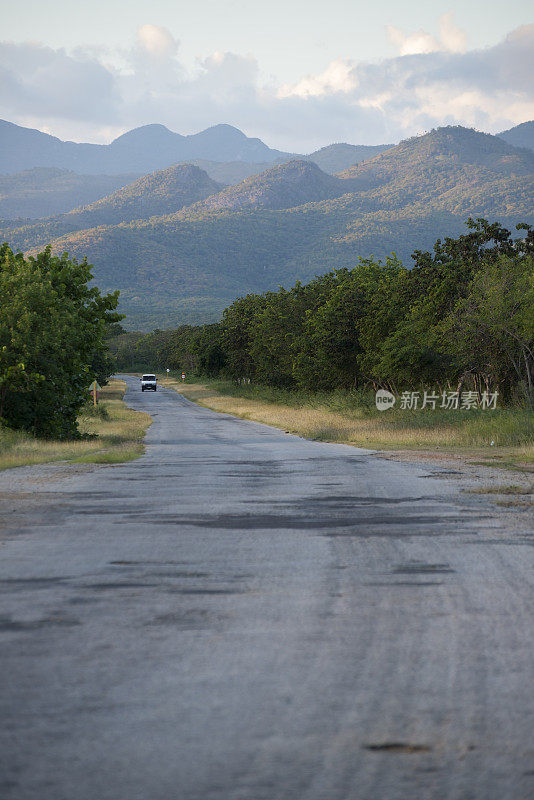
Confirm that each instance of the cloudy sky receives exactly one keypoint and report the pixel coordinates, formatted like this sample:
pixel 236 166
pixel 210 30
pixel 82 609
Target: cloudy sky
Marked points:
pixel 297 74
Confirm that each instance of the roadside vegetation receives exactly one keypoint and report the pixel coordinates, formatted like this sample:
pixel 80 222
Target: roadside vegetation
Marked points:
pixel 504 437
pixel 461 319
pixel 309 359
pixel 53 328
pixel 110 433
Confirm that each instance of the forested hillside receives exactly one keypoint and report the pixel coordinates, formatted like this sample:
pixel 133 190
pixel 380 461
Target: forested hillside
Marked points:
pixel 463 315
pixel 46 191
pixel 162 192
pixel 50 182
pixel 49 191
pixel 448 159
pixel 159 193
pixel 337 157
pixel 520 136
pixel 189 265
pixel 285 186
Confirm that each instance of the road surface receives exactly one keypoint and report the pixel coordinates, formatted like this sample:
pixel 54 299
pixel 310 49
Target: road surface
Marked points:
pixel 242 614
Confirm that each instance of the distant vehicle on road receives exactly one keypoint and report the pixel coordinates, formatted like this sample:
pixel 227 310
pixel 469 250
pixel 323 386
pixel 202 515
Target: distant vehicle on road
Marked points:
pixel 149 382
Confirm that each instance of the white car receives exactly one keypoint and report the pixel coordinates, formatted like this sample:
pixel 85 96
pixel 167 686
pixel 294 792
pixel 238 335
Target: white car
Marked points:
pixel 149 382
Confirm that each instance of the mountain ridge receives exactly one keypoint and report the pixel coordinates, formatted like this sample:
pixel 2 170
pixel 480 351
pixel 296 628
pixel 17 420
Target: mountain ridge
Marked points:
pixel 151 147
pixel 144 149
pixel 160 193
pixel 186 266
pixel 282 186
pixel 520 135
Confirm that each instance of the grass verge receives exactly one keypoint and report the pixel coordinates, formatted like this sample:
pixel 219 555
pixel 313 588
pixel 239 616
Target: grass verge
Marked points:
pixel 502 489
pixel 118 436
pixel 353 419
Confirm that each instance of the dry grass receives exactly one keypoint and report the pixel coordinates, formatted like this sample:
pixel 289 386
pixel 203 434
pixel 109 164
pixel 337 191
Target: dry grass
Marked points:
pixel 510 488
pixel 514 503
pixel 118 432
pixel 512 433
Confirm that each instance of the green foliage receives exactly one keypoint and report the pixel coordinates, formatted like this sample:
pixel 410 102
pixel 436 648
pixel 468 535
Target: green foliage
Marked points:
pixel 51 340
pixel 491 329
pixel 463 314
pixel 341 333
pixel 416 350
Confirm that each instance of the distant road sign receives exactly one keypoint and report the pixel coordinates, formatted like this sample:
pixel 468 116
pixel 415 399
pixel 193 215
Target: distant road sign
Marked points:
pixel 94 389
pixel 183 376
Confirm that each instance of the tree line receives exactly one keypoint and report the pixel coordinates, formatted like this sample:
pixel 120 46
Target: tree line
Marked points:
pixel 463 314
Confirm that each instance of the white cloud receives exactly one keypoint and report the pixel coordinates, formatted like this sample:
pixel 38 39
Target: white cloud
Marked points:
pixel 451 38
pixel 157 42
pixel 94 95
pixel 414 43
pixel 51 84
pixel 337 77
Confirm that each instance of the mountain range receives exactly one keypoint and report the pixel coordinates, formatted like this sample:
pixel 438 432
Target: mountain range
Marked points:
pixel 185 186
pixel 44 176
pixel 143 149
pixel 154 147
pixel 180 247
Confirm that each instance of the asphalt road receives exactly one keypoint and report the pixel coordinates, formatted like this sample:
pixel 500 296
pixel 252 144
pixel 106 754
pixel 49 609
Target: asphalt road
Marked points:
pixel 245 615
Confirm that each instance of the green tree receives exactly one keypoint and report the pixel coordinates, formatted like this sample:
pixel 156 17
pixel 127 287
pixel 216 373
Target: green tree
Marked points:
pixel 51 340
pixel 466 307
pixel 237 323
pixel 362 306
pixel 491 330
pixel 414 352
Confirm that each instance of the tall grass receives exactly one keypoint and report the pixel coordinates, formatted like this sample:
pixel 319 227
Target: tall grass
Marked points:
pixel 114 433
pixel 354 419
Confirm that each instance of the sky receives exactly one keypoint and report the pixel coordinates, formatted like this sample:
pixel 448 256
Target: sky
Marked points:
pixel 299 75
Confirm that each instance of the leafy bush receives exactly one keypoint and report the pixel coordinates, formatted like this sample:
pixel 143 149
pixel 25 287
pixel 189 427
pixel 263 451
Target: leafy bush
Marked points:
pixel 51 340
